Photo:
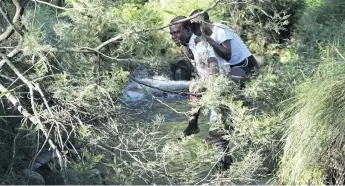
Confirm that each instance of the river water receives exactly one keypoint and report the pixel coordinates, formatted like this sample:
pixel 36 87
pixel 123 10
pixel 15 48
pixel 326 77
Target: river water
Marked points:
pixel 171 107
pixel 151 102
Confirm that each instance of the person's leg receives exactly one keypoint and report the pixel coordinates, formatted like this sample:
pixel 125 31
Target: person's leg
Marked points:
pixel 242 74
pixel 253 64
pixel 215 137
pixel 193 127
pixel 226 159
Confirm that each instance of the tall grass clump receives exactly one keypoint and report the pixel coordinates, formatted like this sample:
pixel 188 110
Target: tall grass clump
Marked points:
pixel 315 133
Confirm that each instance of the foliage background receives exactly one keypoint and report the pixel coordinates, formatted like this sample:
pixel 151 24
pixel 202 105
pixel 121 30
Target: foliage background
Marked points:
pixel 290 112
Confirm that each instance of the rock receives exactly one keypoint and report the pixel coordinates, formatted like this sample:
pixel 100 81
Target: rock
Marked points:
pixel 87 177
pixel 182 70
pixel 33 177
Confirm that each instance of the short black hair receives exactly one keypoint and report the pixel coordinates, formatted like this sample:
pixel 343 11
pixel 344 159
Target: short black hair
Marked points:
pixel 205 14
pixel 185 24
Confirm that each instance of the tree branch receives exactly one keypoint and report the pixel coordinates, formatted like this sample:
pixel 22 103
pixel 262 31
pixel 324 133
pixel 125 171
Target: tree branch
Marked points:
pixel 2 11
pixel 16 71
pixel 34 119
pixel 17 104
pixel 14 52
pixel 29 116
pixel 10 28
pixel 119 37
pixel 168 91
pixel 57 7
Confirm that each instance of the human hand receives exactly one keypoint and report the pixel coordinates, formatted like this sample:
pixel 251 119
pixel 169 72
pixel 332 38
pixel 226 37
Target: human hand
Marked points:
pixel 208 31
pixel 197 39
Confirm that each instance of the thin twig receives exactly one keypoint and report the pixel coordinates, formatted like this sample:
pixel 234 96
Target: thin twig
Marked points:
pixel 6 48
pixel 119 37
pixel 339 52
pixel 10 55
pixel 13 154
pixel 37 87
pixel 178 112
pixel 209 173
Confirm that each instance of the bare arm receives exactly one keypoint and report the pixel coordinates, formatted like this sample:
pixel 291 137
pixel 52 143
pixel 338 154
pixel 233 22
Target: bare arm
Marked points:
pixel 186 51
pixel 223 49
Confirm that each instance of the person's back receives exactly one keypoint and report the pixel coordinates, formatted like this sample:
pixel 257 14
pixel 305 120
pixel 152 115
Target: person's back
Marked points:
pixel 239 50
pixel 228 46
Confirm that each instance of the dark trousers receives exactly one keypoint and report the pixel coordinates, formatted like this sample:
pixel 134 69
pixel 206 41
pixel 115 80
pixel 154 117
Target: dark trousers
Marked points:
pixel 239 73
pixel 242 72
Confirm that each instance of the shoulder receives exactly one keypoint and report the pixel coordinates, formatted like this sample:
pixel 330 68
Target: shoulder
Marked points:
pixel 191 40
pixel 222 32
pixel 191 43
pixel 222 27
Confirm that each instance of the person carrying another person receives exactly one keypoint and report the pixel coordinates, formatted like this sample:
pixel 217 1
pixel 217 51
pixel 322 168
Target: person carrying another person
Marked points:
pixel 205 64
pixel 228 50
pixel 203 58
pixel 228 46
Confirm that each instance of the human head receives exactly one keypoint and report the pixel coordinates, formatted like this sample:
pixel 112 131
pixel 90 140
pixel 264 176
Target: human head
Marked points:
pixel 196 24
pixel 204 16
pixel 180 32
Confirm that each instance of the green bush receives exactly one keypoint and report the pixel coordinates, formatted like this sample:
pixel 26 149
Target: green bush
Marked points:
pixel 262 24
pixel 322 22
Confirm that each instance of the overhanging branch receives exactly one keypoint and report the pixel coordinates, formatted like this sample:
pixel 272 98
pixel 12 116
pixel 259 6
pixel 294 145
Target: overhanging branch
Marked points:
pixel 33 118
pixel 119 37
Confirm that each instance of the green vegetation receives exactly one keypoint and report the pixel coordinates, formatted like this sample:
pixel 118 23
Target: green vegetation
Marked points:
pixel 288 120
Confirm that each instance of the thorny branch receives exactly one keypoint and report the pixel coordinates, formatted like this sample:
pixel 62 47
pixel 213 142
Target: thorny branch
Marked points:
pixel 119 37
pixel 184 113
